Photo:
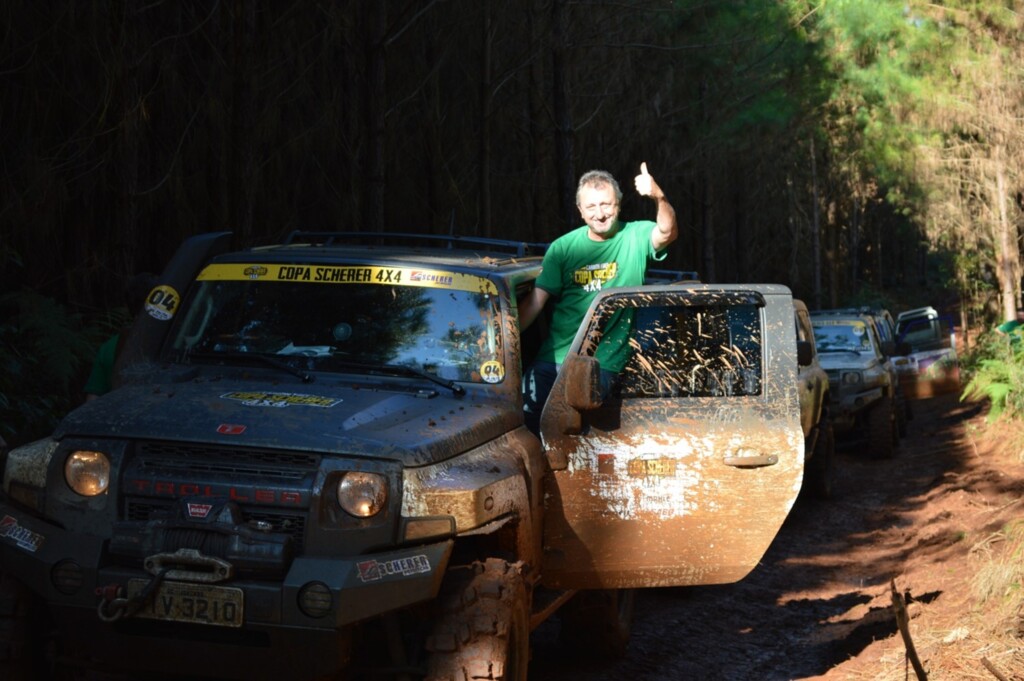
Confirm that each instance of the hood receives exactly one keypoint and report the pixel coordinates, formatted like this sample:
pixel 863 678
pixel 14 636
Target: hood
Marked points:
pixel 403 421
pixel 847 359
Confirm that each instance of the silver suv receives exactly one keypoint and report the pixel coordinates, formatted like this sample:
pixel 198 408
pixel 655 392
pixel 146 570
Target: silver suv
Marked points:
pixel 862 378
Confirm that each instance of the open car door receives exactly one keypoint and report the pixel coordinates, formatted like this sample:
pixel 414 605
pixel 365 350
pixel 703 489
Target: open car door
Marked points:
pixel 930 366
pixel 686 472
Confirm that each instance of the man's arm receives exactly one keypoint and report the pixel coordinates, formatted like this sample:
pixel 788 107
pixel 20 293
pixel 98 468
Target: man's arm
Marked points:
pixel 530 307
pixel 666 230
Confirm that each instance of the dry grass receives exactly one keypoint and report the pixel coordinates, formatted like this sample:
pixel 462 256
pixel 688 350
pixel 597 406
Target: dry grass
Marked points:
pixel 982 620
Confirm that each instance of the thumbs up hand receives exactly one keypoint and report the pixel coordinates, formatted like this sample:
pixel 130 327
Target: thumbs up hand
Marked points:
pixel 645 184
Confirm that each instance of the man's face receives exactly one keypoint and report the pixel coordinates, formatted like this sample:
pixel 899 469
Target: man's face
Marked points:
pixel 600 210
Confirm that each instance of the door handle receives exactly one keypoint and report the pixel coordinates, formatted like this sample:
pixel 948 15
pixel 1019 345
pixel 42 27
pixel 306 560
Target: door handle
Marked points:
pixel 751 461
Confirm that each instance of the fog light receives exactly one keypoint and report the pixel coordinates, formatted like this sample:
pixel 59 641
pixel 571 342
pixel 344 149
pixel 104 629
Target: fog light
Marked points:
pixel 315 599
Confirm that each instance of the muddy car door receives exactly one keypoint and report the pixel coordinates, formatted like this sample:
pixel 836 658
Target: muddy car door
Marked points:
pixel 685 472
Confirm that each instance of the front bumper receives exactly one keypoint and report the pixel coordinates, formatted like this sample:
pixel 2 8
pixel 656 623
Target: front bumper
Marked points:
pixel 68 570
pixel 849 406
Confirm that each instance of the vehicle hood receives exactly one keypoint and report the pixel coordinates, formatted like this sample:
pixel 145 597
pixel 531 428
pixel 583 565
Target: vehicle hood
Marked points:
pixel 407 421
pixel 847 359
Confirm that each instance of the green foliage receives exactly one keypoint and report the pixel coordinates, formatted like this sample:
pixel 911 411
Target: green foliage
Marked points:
pixel 45 352
pixel 869 296
pixel 996 371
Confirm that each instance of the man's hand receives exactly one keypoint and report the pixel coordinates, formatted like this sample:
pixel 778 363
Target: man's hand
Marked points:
pixel 646 186
pixel 665 231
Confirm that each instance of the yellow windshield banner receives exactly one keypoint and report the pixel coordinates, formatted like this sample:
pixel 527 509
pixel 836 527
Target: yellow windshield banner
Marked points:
pixel 348 274
pixel 854 324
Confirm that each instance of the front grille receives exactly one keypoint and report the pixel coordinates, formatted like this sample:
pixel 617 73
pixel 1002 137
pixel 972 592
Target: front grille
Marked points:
pixel 161 473
pixel 292 524
pixel 226 460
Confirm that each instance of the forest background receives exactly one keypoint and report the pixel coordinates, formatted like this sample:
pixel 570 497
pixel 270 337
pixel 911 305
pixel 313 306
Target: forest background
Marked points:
pixel 858 151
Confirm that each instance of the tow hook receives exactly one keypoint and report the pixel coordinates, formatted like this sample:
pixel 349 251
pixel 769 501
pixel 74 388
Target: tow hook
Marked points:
pixel 189 565
pixel 114 606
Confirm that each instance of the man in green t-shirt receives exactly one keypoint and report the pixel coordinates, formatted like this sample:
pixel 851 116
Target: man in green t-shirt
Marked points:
pixel 1014 328
pixel 603 253
pixel 102 374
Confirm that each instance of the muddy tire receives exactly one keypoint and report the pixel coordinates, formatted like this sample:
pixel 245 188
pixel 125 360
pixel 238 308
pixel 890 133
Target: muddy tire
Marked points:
pixel 902 415
pixel 883 435
pixel 598 622
pixel 483 631
pixel 818 471
pixel 19 646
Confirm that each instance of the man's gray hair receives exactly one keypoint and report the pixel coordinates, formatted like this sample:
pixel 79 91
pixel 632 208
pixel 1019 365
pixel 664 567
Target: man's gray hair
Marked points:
pixel 598 178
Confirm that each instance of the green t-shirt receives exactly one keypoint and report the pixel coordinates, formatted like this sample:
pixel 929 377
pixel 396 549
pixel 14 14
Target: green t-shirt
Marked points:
pixel 576 269
pixel 102 374
pixel 1013 329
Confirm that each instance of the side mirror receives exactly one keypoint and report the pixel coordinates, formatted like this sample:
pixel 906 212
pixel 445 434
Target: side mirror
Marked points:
pixel 582 382
pixel 888 348
pixel 804 354
pixel 903 348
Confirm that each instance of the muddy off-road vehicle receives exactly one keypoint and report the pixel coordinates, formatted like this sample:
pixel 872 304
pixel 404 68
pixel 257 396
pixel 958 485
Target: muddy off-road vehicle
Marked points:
pixel 866 403
pixel 314 463
pixel 815 402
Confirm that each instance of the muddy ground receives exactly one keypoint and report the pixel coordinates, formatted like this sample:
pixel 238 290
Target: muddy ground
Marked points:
pixel 819 606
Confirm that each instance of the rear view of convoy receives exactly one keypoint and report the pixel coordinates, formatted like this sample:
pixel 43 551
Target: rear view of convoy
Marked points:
pixel 876 367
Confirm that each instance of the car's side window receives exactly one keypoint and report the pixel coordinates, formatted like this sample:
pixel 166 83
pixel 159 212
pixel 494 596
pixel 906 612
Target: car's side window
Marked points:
pixel 694 351
pixel 531 339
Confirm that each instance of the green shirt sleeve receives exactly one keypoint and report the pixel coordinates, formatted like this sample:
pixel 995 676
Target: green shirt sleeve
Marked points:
pixel 102 374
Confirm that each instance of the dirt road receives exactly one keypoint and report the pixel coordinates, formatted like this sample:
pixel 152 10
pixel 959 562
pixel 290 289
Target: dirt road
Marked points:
pixel 818 607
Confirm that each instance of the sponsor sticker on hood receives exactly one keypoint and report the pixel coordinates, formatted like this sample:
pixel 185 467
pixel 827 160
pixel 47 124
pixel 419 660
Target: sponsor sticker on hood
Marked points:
pixel 265 399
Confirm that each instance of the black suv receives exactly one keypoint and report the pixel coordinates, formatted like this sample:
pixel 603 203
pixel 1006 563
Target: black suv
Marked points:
pixel 315 460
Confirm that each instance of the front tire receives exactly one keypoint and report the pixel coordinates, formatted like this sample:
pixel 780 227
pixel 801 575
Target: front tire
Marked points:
pixel 20 658
pixel 484 627
pixel 882 429
pixel 599 622
pixel 818 470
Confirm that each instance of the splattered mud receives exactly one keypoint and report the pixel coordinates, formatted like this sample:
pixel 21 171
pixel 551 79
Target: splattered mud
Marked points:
pixel 819 606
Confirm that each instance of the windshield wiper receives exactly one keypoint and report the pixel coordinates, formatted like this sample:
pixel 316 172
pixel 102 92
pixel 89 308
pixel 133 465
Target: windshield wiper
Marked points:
pixel 305 376
pixel 401 370
pixel 433 378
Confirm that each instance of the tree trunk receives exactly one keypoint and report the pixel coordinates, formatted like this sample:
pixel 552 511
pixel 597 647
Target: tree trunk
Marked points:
pixel 243 148
pixel 127 157
pixel 540 154
pixel 563 116
pixel 815 228
pixel 484 215
pixel 708 272
pixel 1008 259
pixel 376 100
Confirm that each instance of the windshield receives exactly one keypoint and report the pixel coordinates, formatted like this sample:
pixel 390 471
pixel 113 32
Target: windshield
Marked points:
pixel 832 336
pixel 926 334
pixel 336 318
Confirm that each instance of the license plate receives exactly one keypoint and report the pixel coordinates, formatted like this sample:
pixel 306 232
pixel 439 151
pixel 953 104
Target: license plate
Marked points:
pixel 194 603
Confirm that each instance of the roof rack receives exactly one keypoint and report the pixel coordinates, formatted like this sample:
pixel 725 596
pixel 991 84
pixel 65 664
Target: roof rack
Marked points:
pixel 668 276
pixel 517 248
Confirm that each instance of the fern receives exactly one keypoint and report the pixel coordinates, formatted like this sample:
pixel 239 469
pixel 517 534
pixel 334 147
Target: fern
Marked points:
pixel 46 352
pixel 997 374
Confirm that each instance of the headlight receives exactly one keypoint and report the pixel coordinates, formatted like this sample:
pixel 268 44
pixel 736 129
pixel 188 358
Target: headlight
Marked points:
pixel 851 378
pixel 362 494
pixel 88 473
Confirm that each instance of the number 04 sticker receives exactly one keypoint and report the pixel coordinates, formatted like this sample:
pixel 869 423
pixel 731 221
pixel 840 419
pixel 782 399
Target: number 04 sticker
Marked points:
pixel 492 371
pixel 162 302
